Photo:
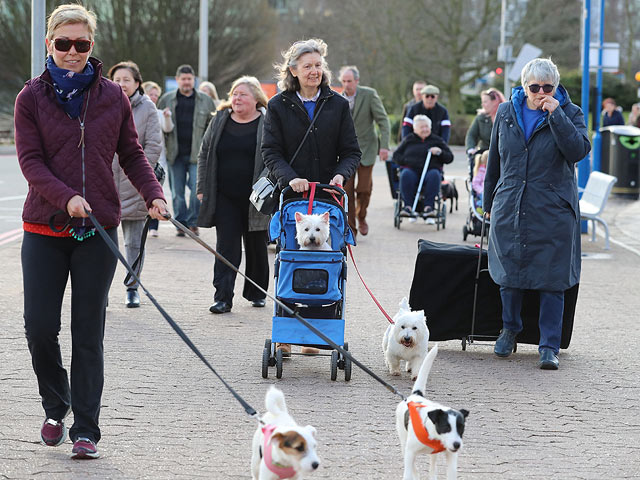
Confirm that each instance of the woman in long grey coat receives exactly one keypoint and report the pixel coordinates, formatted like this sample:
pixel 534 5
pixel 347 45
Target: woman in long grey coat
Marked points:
pixel 145 117
pixel 229 163
pixel 531 193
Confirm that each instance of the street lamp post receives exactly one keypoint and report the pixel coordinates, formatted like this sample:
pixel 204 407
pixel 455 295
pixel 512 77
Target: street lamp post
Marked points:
pixel 37 37
pixel 203 49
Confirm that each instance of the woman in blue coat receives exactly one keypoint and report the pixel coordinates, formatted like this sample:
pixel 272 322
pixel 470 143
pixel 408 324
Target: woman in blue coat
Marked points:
pixel 531 193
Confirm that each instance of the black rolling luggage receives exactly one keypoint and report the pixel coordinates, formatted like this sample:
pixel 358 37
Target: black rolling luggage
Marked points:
pixel 443 286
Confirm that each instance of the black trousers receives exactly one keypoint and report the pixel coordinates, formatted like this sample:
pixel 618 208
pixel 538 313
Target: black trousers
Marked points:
pixel 232 230
pixel 47 263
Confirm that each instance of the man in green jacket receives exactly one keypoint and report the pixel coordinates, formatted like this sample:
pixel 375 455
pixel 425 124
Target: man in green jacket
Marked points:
pixel 191 111
pixel 367 111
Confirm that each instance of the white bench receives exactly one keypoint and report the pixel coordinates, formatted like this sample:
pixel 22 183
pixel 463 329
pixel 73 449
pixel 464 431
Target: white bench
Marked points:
pixel 593 200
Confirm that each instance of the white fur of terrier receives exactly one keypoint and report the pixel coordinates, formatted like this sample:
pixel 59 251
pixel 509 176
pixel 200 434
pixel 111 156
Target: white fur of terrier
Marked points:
pixel 292 445
pixel 443 424
pixel 313 231
pixel 406 339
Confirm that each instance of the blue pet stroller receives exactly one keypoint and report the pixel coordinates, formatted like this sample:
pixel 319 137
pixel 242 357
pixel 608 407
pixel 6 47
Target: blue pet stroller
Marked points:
pixel 309 282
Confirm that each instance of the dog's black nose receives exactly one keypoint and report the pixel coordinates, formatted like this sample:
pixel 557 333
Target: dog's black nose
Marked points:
pixel 407 339
pixel 456 445
pixel 315 465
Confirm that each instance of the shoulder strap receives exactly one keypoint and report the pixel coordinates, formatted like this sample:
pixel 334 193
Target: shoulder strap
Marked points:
pixel 306 134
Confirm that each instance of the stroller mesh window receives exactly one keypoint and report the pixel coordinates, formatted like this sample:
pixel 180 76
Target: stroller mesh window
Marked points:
pixel 310 281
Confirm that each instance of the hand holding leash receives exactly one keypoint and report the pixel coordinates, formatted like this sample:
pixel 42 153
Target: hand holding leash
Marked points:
pixel 159 210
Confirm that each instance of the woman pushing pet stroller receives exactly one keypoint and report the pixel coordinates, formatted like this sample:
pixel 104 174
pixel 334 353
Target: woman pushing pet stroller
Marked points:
pixel 308 131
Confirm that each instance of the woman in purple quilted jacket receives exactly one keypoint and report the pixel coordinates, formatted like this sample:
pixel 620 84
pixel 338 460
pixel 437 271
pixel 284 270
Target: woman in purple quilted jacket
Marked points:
pixel 69 123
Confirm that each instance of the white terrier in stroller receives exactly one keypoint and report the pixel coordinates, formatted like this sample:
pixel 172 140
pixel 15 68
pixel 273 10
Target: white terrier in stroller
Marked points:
pixel 425 426
pixel 313 231
pixel 406 339
pixel 281 447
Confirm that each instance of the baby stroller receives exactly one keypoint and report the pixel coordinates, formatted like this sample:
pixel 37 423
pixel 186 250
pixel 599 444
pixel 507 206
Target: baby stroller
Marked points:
pixel 399 214
pixel 309 282
pixel 473 225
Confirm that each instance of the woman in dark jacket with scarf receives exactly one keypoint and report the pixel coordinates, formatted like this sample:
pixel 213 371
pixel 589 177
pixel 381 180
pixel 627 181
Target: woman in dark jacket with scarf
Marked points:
pixel 531 193
pixel 229 163
pixel 411 155
pixel 69 122
pixel 330 154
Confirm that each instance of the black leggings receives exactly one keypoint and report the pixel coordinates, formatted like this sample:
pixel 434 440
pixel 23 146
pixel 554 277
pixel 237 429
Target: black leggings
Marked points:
pixel 47 263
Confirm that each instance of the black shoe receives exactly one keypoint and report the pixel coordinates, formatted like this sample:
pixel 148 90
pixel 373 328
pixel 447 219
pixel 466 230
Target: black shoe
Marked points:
pixel 429 212
pixel 548 359
pixel 220 307
pixel 179 233
pixel 133 299
pixel 259 303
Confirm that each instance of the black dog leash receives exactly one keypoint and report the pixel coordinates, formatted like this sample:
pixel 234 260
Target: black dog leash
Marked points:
pixel 286 308
pixel 113 247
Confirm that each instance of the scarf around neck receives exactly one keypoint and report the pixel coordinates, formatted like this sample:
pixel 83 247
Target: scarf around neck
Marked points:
pixel 69 86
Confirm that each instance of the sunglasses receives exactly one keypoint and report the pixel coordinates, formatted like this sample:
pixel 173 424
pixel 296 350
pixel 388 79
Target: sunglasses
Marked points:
pixel 64 45
pixel 429 95
pixel 546 88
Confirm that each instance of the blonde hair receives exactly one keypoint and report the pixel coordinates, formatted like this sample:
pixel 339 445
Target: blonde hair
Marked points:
pixel 481 159
pixel 286 80
pixel 254 86
pixel 213 93
pixel 70 14
pixel 149 85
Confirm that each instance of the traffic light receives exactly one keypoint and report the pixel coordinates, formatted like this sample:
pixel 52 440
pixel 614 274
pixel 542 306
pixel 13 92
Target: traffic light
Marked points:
pixel 499 71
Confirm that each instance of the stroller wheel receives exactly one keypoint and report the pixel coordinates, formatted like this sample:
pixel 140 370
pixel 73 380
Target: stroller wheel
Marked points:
pixel 279 363
pixel 465 233
pixel 464 343
pixel 266 355
pixel 347 365
pixel 334 365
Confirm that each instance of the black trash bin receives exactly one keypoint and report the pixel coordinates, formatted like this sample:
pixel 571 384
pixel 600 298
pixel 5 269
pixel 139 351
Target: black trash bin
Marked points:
pixel 621 158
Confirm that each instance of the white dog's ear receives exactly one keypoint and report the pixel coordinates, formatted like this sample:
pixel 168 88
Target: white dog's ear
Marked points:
pixel 326 217
pixel 404 304
pixel 298 217
pixel 311 430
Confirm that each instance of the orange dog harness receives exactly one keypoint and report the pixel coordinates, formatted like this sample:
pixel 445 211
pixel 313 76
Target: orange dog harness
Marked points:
pixel 420 430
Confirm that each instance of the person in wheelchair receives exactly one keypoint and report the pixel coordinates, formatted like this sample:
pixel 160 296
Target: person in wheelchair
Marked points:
pixel 411 155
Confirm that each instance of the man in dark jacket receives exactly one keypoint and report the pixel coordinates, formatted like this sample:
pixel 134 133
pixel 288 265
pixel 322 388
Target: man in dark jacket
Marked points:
pixel 531 193
pixel 440 123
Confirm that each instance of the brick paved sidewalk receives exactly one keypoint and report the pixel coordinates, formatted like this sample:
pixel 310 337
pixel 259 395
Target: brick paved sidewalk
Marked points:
pixel 166 416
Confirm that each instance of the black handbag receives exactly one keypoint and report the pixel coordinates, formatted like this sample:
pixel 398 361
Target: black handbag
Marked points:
pixel 265 193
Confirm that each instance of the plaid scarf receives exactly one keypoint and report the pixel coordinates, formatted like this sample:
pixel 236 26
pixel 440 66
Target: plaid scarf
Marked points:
pixel 70 86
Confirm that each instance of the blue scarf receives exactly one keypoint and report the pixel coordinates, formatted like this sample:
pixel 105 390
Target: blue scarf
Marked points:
pixel 70 86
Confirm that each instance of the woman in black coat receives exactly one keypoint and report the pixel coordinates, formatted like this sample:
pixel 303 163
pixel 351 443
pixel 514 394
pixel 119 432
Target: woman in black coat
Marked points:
pixel 411 155
pixel 531 193
pixel 230 162
pixel 330 154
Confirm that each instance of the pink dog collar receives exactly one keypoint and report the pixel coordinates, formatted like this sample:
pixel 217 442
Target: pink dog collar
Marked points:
pixel 282 472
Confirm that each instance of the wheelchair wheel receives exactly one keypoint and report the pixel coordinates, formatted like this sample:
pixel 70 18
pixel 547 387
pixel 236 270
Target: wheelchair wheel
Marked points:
pixel 396 214
pixel 465 234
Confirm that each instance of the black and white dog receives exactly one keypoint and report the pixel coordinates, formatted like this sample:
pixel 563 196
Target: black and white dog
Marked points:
pixel 425 426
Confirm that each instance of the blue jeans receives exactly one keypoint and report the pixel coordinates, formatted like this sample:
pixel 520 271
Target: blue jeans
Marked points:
pixel 549 322
pixel 183 174
pixel 409 180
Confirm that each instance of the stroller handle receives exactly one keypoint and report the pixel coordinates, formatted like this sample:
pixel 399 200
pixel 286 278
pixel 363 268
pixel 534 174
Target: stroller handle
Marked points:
pixel 289 192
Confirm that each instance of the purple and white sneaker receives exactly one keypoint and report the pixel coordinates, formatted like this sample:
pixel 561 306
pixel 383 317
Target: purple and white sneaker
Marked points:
pixel 53 432
pixel 84 449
